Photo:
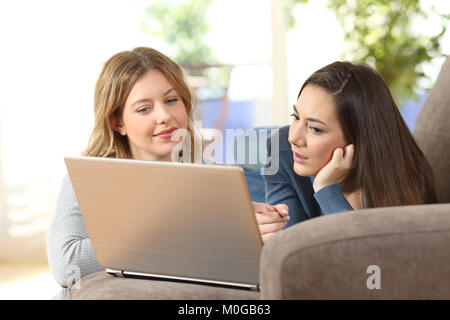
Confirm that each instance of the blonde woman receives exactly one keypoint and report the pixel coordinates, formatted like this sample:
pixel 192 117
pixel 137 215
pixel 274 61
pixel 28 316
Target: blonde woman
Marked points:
pixel 141 99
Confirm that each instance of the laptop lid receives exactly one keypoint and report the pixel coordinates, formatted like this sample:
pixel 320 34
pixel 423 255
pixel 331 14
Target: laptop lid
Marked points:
pixel 181 221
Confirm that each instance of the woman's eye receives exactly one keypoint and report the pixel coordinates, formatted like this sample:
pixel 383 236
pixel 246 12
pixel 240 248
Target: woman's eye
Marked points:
pixel 172 100
pixel 295 116
pixel 316 130
pixel 144 109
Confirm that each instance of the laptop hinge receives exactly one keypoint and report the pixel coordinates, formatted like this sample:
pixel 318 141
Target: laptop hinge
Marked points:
pixel 122 274
pixel 117 273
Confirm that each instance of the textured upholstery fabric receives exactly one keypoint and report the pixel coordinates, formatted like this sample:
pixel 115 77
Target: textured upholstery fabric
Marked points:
pixel 432 131
pixel 100 285
pixel 327 257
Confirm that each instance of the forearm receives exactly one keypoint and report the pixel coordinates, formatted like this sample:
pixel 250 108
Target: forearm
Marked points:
pixel 331 200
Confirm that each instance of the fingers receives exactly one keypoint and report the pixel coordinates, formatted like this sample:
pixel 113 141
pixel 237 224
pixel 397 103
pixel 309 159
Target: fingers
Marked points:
pixel 344 157
pixel 349 148
pixel 349 154
pixel 272 217
pixel 338 154
pixel 261 207
pixel 282 209
pixel 271 227
pixel 337 169
pixel 266 213
pixel 272 220
pixel 264 207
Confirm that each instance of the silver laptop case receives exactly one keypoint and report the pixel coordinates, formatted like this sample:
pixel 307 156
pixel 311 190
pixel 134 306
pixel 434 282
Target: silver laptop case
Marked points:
pixel 169 220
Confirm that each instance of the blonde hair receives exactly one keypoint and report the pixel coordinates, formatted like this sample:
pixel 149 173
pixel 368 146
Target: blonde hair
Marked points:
pixel 117 78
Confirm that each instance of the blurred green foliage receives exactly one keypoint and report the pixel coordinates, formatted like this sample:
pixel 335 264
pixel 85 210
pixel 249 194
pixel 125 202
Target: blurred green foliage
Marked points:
pixel 380 33
pixel 183 24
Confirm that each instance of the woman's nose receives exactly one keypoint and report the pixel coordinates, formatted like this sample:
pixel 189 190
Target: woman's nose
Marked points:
pixel 296 137
pixel 162 115
pixel 299 142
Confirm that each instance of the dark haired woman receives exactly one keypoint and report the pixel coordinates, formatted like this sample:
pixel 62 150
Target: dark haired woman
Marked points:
pixel 347 148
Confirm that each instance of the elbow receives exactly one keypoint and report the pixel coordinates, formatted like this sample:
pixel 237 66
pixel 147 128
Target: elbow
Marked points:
pixel 65 274
pixel 65 271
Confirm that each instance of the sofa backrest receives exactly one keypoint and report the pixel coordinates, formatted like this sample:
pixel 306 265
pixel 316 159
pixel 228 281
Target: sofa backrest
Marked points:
pixel 432 131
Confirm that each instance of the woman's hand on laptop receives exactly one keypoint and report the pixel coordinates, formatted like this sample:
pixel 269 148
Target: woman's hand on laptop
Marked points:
pixel 271 219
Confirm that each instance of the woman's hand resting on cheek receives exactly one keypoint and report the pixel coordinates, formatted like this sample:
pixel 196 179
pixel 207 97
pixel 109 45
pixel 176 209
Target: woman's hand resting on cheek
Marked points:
pixel 337 169
pixel 271 219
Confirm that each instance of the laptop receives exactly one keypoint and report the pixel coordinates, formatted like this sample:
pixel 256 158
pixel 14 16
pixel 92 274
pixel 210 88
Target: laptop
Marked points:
pixel 172 221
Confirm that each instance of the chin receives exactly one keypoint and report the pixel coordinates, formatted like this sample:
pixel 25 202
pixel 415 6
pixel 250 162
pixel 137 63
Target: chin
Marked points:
pixel 159 155
pixel 303 170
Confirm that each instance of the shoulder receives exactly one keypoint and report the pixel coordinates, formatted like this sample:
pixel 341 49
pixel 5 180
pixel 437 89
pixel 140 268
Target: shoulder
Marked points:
pixel 66 194
pixel 280 136
pixel 66 184
pixel 281 161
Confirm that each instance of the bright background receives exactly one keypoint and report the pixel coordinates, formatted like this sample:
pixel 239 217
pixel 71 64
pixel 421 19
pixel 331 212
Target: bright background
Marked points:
pixel 51 54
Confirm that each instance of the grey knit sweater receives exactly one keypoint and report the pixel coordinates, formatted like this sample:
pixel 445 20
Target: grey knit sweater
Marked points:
pixel 69 249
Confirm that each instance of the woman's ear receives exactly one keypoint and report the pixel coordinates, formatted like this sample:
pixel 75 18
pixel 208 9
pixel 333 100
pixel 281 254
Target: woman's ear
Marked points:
pixel 116 124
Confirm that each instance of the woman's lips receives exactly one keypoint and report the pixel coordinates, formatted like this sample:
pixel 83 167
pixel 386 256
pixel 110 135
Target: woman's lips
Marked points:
pixel 165 134
pixel 299 157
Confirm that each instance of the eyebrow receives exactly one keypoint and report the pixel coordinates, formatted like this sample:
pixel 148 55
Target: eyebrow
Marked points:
pixel 311 119
pixel 148 100
pixel 168 91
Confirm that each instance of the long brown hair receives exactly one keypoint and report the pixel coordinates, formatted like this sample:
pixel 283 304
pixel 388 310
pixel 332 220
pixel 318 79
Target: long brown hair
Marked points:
pixel 117 78
pixel 389 168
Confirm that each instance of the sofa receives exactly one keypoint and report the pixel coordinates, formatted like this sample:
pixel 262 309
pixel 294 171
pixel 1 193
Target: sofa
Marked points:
pixel 380 253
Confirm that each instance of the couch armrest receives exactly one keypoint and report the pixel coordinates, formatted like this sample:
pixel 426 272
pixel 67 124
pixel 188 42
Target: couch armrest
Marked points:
pixel 330 257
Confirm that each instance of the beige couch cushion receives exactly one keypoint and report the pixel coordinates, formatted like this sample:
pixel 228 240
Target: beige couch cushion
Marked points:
pixel 100 285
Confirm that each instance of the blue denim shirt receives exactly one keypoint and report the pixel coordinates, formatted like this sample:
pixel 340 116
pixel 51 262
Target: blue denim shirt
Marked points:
pixel 297 192
pixel 255 184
